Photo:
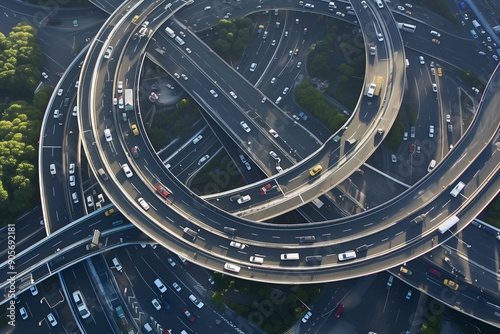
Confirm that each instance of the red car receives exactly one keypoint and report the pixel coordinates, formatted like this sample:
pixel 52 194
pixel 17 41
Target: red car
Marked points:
pixel 337 313
pixel 162 191
pixel 412 148
pixel 188 314
pixel 264 189
pixel 434 272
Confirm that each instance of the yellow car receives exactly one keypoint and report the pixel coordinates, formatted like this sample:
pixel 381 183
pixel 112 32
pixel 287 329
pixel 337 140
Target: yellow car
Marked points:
pixel 405 271
pixel 452 285
pixel 110 212
pixel 134 20
pixel 315 170
pixel 436 41
pixel 135 131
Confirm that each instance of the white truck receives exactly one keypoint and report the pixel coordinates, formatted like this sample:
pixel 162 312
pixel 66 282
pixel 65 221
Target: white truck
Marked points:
pixel 170 32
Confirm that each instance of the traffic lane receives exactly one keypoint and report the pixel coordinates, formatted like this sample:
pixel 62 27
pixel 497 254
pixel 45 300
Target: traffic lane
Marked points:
pixel 76 278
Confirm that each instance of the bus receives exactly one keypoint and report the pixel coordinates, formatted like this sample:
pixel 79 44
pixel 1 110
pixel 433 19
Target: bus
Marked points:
pixel 475 24
pixel 448 223
pixel 379 86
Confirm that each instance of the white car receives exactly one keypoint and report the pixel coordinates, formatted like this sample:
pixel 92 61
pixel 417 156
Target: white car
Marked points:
pixel 71 169
pixel 176 287
pixel 380 37
pixel 237 244
pixel 273 43
pixel 76 84
pixel 306 317
pixel 203 159
pixel 233 94
pixel 253 67
pixel 188 50
pixel 156 304
pixel 340 14
pixel 169 86
pixel 177 75
pixel 171 262
pixel 401 8
pixel 184 76
pixel 431 131
pixel 243 199
pixel 408 5
pixel 51 319
pixel 394 158
pixel 44 75
pixel 295 117
pixel 245 126
pixel 421 59
pixel 273 133
pixel 299 64
pixel 107 135
pixel 285 91
pixel 448 118
pixel 214 93
pixel 120 87
pixel 434 88
pixel 75 111
pixel 53 169
pixel 273 80
pixel 57 114
pixel 107 54
pixel 364 4
pixel 274 155
pixel 24 314
pixel 34 290
pixel 405 135
pixel 60 92
pixel 72 182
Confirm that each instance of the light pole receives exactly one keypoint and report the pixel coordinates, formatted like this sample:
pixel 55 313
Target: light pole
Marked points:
pixel 466 244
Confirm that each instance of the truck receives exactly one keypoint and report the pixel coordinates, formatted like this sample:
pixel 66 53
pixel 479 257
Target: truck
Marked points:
pixel 448 223
pixel 317 202
pixel 379 86
pixel 407 27
pixel 457 189
pixel 476 24
pixel 170 32
pixel 129 99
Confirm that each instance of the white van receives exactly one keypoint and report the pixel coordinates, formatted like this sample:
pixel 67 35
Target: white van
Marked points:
pixel 290 256
pixel 431 166
pixel 117 264
pixel 347 256
pixel 256 259
pixel 195 301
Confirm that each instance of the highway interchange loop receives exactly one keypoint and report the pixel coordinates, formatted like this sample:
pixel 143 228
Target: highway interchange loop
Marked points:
pixel 165 221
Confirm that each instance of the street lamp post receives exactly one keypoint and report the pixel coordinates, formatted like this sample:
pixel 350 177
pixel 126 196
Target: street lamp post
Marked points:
pixel 466 244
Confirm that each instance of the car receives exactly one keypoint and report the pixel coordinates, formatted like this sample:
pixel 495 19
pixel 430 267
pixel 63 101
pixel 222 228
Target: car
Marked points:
pixel 431 131
pixel 159 284
pixel 295 117
pixel 34 290
pixel 405 135
pixel 45 75
pixel 273 42
pixel 315 170
pixel 60 92
pixel 340 14
pixel 466 17
pixel 135 152
pixel 253 67
pixel 182 33
pixel 90 201
pixel 119 88
pixel 243 199
pixel 475 90
pixel 412 148
pixel 273 80
pixel 364 4
pixel 156 304
pixel 169 86
pixel 285 91
pixel 308 5
pixel 72 181
pixel 434 272
pixel 211 281
pixel 408 294
pixel 290 53
pixel 242 158
pixel 145 24
pixel 286 33
pixel 207 8
pixel 487 39
pixel 176 287
pixel 57 113
pixel 164 193
pixel 127 171
pixel 120 102
pixel 495 57
pixel 183 76
pixel 489 48
pixel 394 158
pixel 405 271
pixel 188 314
pixel 421 59
pixel 339 311
pixel 434 88
pixel 71 168
pixel 237 245
pixel 273 133
pixel 436 41
pixel 248 166
pixel 401 8
pixel 380 37
pixel 177 75
pixel 76 84
pixel 303 115
pixel 245 126
pixel 263 100
pixel 197 139
pixel 299 64
pixel 134 129
pixel 203 159
pixel 233 94
pixel 264 189
pixel 408 5
pixel 109 212
pixel 274 155
pixel 306 317
pixel 171 262
pixel 450 128
pixel 24 314
pixel 408 12
pixel 108 52
pixel 75 111
pixel 52 320
pixel 448 118
pixel 452 285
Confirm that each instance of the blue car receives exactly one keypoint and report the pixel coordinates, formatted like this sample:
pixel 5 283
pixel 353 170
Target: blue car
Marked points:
pixel 303 116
